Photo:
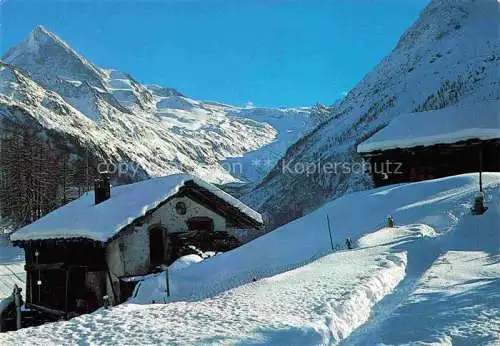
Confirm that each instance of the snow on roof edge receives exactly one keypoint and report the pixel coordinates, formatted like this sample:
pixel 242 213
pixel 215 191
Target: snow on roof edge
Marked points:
pixel 465 135
pixel 79 218
pixel 236 203
pixel 443 126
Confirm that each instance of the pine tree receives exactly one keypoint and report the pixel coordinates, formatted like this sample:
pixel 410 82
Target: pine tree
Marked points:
pixel 38 175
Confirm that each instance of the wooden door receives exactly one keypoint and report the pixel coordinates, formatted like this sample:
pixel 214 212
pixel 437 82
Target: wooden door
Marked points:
pixel 156 247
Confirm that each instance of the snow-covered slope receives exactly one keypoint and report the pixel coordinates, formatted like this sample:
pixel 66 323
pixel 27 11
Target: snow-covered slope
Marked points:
pixel 432 278
pixel 153 130
pixel 450 56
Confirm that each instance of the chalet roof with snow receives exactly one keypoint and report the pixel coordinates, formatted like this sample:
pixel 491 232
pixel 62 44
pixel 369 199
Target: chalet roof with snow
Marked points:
pixel 445 126
pixel 82 218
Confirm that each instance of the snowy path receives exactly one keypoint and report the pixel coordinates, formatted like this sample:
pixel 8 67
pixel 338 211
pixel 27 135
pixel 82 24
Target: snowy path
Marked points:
pixel 421 256
pixel 455 301
pixel 320 303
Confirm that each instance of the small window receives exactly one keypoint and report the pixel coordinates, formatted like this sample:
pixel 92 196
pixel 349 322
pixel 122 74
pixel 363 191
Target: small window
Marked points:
pixel 180 208
pixel 201 224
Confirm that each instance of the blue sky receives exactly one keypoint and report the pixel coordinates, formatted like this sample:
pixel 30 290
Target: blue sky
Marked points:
pixel 268 52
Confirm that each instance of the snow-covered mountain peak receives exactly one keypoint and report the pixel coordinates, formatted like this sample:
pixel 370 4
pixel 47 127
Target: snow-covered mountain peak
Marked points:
pixel 41 37
pixel 48 60
pixel 442 18
pixel 38 38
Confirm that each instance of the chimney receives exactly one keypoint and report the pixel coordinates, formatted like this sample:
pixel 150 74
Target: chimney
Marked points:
pixel 102 188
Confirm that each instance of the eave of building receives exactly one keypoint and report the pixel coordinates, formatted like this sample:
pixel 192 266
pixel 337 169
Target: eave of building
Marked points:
pixel 439 146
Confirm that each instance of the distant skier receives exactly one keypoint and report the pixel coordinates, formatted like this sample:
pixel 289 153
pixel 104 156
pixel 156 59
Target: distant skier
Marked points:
pixel 390 221
pixel 348 243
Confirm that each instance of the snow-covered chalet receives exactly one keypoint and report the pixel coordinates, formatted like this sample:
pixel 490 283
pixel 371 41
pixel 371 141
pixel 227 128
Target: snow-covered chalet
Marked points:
pixel 85 253
pixel 435 144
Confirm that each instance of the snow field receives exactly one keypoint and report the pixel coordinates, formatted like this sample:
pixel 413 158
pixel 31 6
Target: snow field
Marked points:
pixel 455 300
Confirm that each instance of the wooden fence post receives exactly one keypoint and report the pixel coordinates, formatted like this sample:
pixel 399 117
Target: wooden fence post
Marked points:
pixel 17 301
pixel 330 231
pixel 167 279
pixel 66 307
pixel 167 282
pixel 481 169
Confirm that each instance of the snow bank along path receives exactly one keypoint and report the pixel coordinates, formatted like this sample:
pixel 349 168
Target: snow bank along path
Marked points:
pixel 454 299
pixel 317 304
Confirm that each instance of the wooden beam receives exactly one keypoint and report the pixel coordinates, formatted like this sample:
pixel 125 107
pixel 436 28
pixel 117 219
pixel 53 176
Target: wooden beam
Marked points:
pixel 55 266
pixel 115 299
pixel 29 278
pixel 44 266
pixel 441 146
pixel 45 309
